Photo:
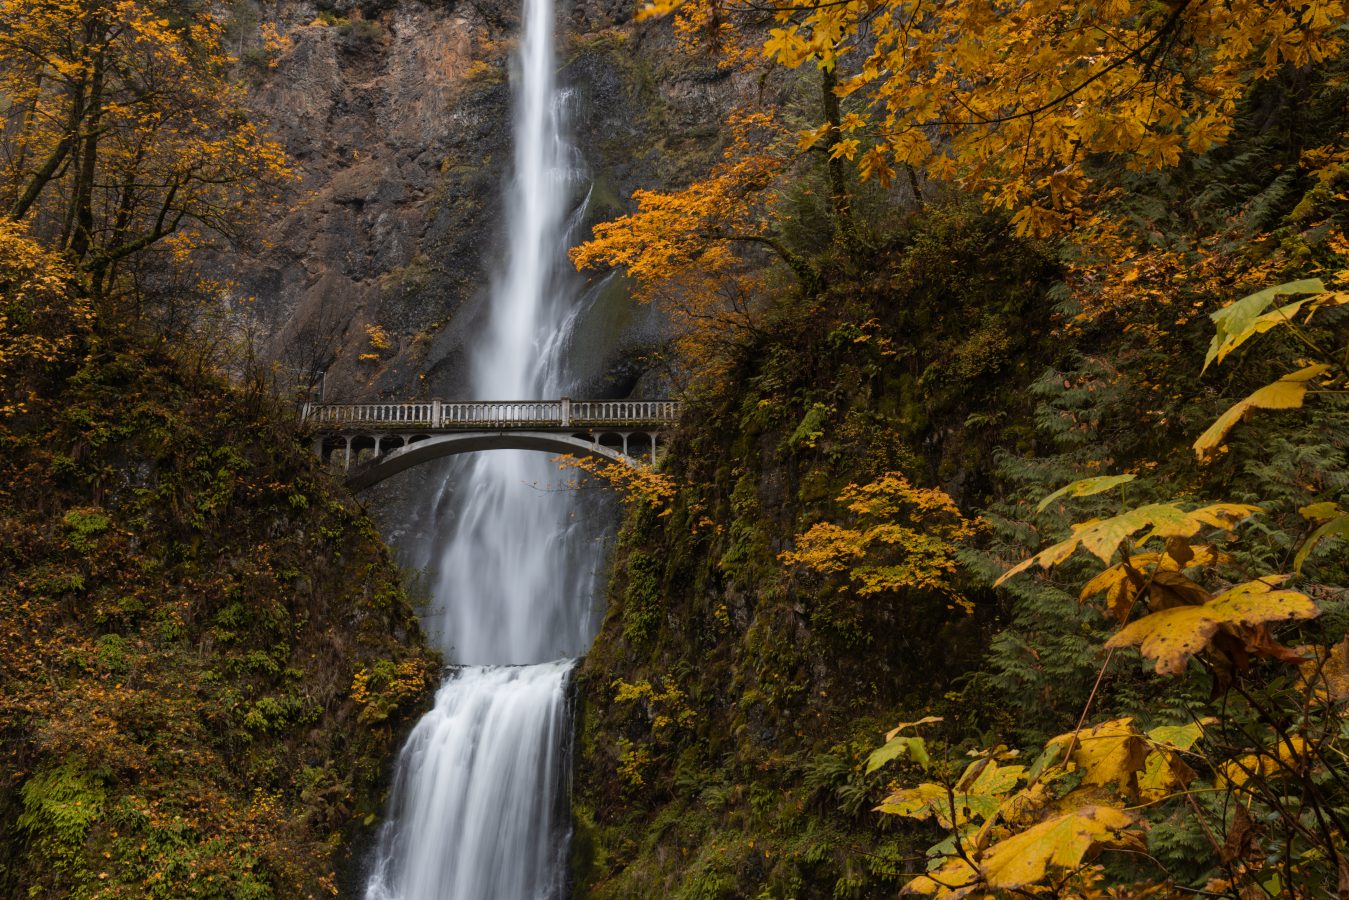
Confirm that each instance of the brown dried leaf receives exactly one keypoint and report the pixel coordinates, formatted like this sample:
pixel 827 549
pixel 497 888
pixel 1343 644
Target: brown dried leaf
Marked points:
pixel 1170 589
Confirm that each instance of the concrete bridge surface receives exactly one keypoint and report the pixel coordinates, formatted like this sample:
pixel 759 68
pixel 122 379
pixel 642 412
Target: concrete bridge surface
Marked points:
pixel 378 440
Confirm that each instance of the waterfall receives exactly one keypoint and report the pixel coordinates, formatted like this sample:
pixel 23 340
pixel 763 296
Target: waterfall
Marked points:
pixel 477 792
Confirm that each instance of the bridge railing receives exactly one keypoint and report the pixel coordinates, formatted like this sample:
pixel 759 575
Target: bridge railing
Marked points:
pixel 600 412
pixel 480 414
pixel 392 415
pixel 510 414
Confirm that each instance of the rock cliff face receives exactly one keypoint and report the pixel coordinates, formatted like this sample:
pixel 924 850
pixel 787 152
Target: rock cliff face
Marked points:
pixel 397 119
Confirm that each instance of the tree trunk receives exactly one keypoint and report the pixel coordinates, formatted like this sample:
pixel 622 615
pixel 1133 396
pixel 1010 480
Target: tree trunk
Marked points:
pixel 83 236
pixel 844 226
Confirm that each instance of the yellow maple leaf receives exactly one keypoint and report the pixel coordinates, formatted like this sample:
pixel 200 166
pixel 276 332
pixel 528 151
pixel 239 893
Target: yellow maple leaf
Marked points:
pixel 1111 752
pixel 1060 842
pixel 1286 393
pixel 953 879
pixel 1103 536
pixel 1326 674
pixel 977 795
pixel 1085 487
pixel 846 149
pixel 1287 757
pixel 1237 322
pixel 812 136
pixel 1172 636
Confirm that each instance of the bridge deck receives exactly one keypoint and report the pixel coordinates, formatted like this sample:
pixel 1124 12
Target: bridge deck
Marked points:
pixel 482 415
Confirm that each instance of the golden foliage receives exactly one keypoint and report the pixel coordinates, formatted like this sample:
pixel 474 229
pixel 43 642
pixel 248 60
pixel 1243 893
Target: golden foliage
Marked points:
pixel 638 483
pixel 1109 753
pixel 123 128
pixel 977 795
pixel 1325 674
pixel 1014 827
pixel 1103 537
pixel 1012 100
pixel 1171 636
pixel 1086 487
pixel 381 689
pixel 1061 842
pixel 40 311
pixel 1184 618
pixel 1287 758
pixel 1237 322
pixel 380 342
pixel 901 537
pixel 686 250
pixel 674 235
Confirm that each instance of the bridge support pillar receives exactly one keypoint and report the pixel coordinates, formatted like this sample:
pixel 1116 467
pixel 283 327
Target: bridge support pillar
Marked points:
pixel 565 412
pixel 436 420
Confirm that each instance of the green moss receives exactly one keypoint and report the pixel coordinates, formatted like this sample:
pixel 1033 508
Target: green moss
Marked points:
pixel 61 804
pixel 83 526
pixel 790 680
pixel 642 602
pixel 179 640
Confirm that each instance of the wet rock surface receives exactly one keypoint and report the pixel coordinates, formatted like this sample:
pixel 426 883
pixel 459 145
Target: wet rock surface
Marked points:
pixel 396 116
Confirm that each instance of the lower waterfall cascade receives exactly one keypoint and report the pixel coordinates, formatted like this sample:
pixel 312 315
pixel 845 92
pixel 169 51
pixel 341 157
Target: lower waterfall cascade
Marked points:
pixel 462 826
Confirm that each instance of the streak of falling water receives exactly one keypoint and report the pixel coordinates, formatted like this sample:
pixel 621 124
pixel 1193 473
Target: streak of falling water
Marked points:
pixel 477 790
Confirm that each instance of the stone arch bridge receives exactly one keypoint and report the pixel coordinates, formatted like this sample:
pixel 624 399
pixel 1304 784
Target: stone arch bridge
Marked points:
pixel 377 440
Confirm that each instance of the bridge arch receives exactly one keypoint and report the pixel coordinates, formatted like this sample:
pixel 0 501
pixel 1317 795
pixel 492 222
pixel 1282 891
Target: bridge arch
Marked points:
pixel 421 449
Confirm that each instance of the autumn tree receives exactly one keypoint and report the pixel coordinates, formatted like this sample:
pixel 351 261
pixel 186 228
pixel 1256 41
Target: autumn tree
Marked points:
pixel 122 131
pixel 1018 101
pixel 1069 118
pixel 690 250
pixel 900 537
pixel 40 315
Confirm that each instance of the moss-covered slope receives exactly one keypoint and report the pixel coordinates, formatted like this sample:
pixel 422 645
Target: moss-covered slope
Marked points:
pixel 206 656
pixel 728 704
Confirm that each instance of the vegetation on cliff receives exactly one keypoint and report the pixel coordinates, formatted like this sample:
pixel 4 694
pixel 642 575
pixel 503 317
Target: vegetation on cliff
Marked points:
pixel 1033 344
pixel 206 656
pixel 1001 548
pixel 205 650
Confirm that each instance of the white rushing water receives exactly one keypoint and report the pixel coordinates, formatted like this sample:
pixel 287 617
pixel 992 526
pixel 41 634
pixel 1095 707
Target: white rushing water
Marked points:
pixel 478 787
pixel 477 791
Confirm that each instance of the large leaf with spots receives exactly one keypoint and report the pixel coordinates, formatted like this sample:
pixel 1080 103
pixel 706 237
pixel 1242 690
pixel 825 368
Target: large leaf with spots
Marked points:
pixel 1172 636
pixel 1061 843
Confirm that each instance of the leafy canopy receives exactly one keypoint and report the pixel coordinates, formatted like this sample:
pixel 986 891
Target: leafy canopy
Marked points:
pixel 1017 100
pixel 124 130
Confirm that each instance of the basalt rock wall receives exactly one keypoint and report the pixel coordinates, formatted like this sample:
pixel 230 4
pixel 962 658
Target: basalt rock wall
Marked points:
pixel 396 117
